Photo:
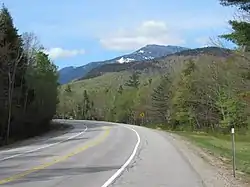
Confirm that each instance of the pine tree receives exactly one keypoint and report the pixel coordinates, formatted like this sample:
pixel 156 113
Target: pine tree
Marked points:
pixel 241 4
pixel 12 68
pixel 133 80
pixel 182 110
pixel 120 89
pixel 161 97
pixel 150 81
pixel 241 29
pixel 86 105
pixel 240 35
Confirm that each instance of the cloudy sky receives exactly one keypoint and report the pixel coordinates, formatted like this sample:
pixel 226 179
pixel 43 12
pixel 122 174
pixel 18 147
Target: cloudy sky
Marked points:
pixel 76 32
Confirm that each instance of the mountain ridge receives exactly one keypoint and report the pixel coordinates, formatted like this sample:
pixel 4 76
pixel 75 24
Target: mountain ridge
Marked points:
pixel 154 64
pixel 146 53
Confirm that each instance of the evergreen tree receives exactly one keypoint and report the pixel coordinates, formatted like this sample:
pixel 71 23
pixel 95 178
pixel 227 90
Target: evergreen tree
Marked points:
pixel 161 97
pixel 44 84
pixel 86 105
pixel 133 80
pixel 150 81
pixel 241 4
pixel 241 29
pixel 182 109
pixel 120 89
pixel 12 68
pixel 240 35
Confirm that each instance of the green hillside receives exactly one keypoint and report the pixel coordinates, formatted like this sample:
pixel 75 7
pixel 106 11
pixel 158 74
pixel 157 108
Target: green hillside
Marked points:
pixel 103 90
pixel 111 99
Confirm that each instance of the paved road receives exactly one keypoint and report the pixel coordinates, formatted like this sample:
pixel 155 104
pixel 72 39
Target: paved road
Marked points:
pixel 98 154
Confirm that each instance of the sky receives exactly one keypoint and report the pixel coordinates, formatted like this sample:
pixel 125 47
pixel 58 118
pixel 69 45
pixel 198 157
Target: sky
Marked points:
pixel 77 32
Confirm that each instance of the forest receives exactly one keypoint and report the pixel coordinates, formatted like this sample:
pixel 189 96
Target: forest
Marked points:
pixel 28 83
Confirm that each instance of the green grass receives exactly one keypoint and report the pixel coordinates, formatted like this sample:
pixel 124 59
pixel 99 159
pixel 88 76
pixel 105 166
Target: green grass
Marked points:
pixel 221 146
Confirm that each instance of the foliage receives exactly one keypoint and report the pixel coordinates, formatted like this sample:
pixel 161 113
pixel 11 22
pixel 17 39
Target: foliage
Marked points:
pixel 241 4
pixel 240 34
pixel 28 86
pixel 120 89
pixel 161 98
pixel 182 111
pixel 201 93
pixel 133 80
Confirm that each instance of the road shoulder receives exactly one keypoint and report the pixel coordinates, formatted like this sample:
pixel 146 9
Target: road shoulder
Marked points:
pixel 211 169
pixel 57 129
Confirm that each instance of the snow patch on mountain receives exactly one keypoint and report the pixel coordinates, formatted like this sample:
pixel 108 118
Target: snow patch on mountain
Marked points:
pixel 125 60
pixel 148 57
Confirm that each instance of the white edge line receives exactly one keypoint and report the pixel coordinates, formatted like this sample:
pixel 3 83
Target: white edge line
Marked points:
pixel 47 146
pixel 119 171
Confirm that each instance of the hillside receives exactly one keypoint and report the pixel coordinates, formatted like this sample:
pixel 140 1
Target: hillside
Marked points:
pixel 157 63
pixel 103 82
pixel 108 68
pixel 148 52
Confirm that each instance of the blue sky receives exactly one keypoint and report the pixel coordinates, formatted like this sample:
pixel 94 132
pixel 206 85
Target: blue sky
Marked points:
pixel 76 32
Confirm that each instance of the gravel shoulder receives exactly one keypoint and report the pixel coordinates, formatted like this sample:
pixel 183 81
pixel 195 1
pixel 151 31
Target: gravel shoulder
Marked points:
pixel 212 171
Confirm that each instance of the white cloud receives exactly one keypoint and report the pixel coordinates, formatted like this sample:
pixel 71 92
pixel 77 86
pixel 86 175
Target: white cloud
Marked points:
pixel 58 52
pixel 149 32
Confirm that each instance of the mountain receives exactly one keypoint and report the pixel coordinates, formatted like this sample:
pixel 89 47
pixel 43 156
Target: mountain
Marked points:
pixel 156 63
pixel 146 53
pixel 149 52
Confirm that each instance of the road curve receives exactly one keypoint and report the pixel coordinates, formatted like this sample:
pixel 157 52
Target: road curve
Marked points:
pixel 97 154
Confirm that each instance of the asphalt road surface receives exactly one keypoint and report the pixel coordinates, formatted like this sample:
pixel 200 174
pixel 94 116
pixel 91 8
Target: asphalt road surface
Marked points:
pixel 97 154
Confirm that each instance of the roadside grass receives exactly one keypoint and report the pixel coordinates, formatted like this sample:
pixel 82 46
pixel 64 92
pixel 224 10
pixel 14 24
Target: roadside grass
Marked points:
pixel 220 146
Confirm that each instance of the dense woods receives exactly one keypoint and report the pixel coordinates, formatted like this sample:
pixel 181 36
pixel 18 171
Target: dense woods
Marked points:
pixel 28 83
pixel 192 90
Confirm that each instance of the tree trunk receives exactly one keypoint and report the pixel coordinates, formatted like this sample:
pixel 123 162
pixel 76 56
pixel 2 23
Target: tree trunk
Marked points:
pixel 9 107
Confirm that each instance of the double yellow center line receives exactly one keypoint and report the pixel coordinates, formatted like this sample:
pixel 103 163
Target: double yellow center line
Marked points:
pixel 92 143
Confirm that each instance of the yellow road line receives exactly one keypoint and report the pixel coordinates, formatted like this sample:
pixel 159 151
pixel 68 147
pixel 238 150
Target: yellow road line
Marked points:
pixel 93 143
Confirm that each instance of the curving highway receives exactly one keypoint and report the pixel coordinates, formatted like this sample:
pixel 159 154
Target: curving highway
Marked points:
pixel 97 154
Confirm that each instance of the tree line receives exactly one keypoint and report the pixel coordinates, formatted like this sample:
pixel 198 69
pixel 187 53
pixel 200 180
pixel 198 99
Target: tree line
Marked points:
pixel 200 95
pixel 28 83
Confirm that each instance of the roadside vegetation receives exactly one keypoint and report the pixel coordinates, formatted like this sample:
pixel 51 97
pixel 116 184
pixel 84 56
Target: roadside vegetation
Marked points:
pixel 220 146
pixel 201 95
pixel 28 83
